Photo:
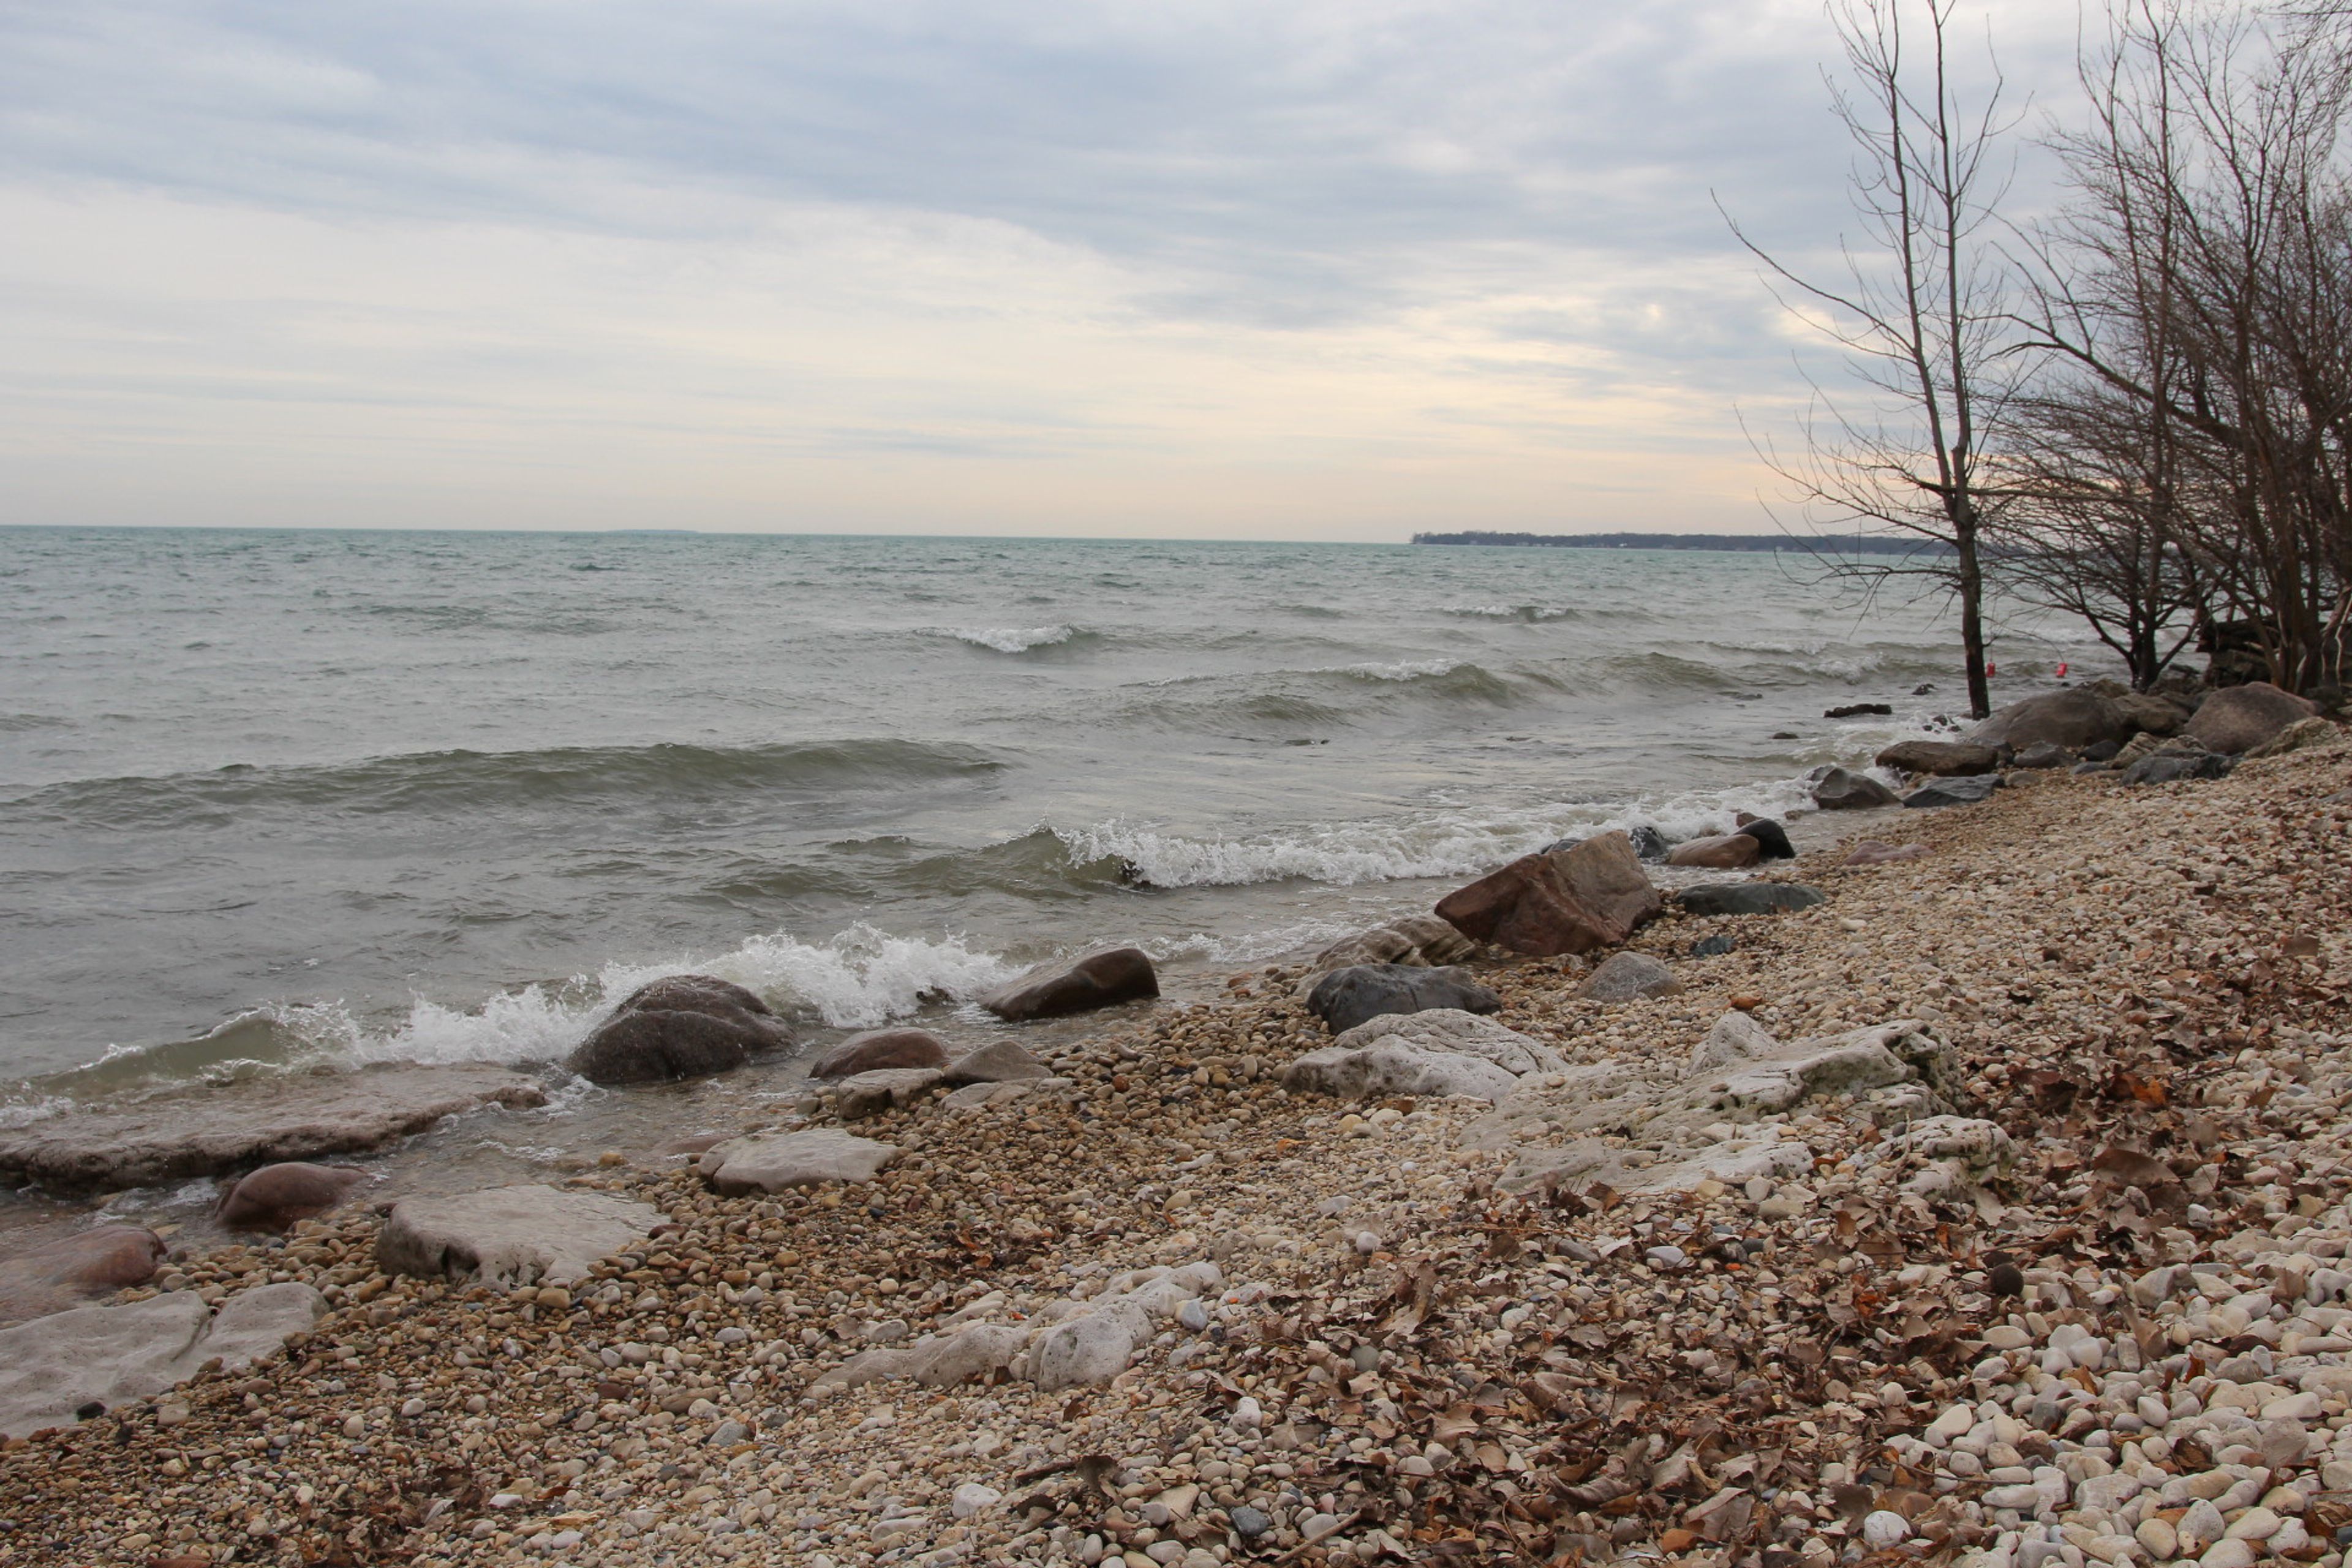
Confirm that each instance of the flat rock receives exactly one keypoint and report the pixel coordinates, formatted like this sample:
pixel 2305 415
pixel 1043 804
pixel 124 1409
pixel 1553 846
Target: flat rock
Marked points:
pixel 1346 997
pixel 2239 719
pixel 1839 790
pixel 54 1366
pixel 1859 1060
pixel 1422 942
pixel 935 1361
pixel 1451 1030
pixel 770 1161
pixel 2072 719
pixel 1747 898
pixel 681 1026
pixel 976 1096
pixel 1724 852
pixel 1872 852
pixel 1086 1351
pixel 1593 894
pixel 1103 979
pixel 2171 767
pixel 511 1235
pixel 885 1088
pixel 1393 1066
pixel 1973 790
pixel 1944 759
pixel 213 1129
pixel 64 1273
pixel 276 1196
pixel 999 1061
pixel 1623 976
pixel 881 1048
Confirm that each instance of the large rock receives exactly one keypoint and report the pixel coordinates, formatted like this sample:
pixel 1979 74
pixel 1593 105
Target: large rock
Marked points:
pixel 1974 790
pixel 885 1088
pixel 1623 976
pixel 1346 997
pixel 1944 759
pixel 1086 1350
pixel 1839 790
pixel 64 1273
pixel 686 1025
pixel 1736 1038
pixel 1393 1066
pixel 1422 942
pixel 1449 1029
pixel 2150 714
pixel 54 1366
pixel 209 1131
pixel 772 1162
pixel 999 1061
pixel 1724 852
pixel 1571 900
pixel 2298 736
pixel 2171 767
pixel 881 1048
pixel 511 1235
pixel 2239 719
pixel 2073 719
pixel 1747 898
pixel 276 1196
pixel 1102 979
pixel 1853 1063
pixel 1769 835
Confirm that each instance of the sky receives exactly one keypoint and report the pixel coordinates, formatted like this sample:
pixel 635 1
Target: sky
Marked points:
pixel 1335 270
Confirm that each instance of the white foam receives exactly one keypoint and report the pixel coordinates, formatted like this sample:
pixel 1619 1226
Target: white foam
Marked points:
pixel 1409 669
pixel 1013 639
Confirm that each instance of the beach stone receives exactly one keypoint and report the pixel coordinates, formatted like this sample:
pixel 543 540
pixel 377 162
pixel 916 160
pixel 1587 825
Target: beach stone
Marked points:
pixel 871 1093
pixel 276 1196
pixel 1749 898
pixel 1547 905
pixel 1623 976
pixel 516 1235
pixel 1418 941
pixel 1451 1030
pixel 770 1161
pixel 1393 1066
pixel 2072 719
pixel 1724 852
pixel 1872 852
pixel 1840 790
pixel 211 1129
pixel 2172 767
pixel 1736 1038
pixel 1769 835
pixel 999 1061
pixel 61 1274
pixel 1713 947
pixel 972 1498
pixel 1859 1060
pixel 935 1361
pixel 2042 756
pixel 1086 1350
pixel 1943 759
pixel 881 1048
pixel 1346 997
pixel 53 1366
pixel 2238 719
pixel 1103 979
pixel 684 1026
pixel 1973 790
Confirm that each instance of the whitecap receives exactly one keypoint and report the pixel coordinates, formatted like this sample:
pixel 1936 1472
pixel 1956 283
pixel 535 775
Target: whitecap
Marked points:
pixel 1011 639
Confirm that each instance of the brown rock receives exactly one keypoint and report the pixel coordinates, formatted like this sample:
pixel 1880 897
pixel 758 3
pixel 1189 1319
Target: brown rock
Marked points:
pixel 2150 714
pixel 2073 719
pixel 276 1196
pixel 1102 979
pixel 1945 759
pixel 1594 894
pixel 685 1026
pixel 2238 719
pixel 999 1061
pixel 881 1048
pixel 1727 852
pixel 65 1273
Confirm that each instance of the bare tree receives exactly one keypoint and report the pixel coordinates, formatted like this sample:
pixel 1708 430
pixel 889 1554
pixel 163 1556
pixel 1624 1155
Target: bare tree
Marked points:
pixel 1920 309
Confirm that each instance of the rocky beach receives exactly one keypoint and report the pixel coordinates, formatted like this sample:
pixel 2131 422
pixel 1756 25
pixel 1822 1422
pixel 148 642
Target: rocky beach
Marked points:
pixel 1986 1198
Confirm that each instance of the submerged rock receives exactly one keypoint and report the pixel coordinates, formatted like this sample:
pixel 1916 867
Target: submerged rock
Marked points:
pixel 1103 979
pixel 66 1272
pixel 275 1196
pixel 686 1025
pixel 1346 997
pixel 53 1367
pixel 513 1234
pixel 1572 900
pixel 881 1048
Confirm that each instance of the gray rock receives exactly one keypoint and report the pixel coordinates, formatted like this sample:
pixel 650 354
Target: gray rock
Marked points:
pixel 1346 997
pixel 1098 980
pixel 935 1361
pixel 680 1026
pixel 2171 767
pixel 1396 1067
pixel 1000 1061
pixel 972 1096
pixel 1713 947
pixel 1749 898
pixel 511 1235
pixel 1451 1030
pixel 770 1161
pixel 2298 736
pixel 2240 719
pixel 1972 791
pixel 1421 942
pixel 1086 1351
pixel 1249 1523
pixel 1736 1038
pixel 871 1093
pixel 1842 791
pixel 2043 754
pixel 2072 719
pixel 1945 759
pixel 877 1049
pixel 214 1128
pixel 53 1366
pixel 1856 1062
pixel 1622 976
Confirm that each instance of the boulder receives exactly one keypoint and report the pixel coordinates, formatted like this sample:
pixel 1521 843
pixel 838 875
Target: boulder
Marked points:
pixel 1971 791
pixel 2043 754
pixel 685 1026
pixel 64 1273
pixel 1842 791
pixel 276 1196
pixel 881 1048
pixel 2171 767
pixel 772 1162
pixel 1572 900
pixel 1086 1350
pixel 1854 1063
pixel 1871 852
pixel 2072 719
pixel 1449 1029
pixel 2150 714
pixel 1736 1038
pixel 1393 1066
pixel 1623 976
pixel 1725 852
pixel 511 1236
pixel 214 1128
pixel 2239 719
pixel 999 1061
pixel 1422 942
pixel 885 1088
pixel 1649 844
pixel 1943 759
pixel 1103 979
pixel 1769 835
pixel 54 1366
pixel 1346 997
pixel 1747 898
pixel 2296 737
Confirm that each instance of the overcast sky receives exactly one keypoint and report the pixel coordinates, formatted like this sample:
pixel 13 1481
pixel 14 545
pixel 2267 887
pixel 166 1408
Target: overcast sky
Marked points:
pixel 1314 270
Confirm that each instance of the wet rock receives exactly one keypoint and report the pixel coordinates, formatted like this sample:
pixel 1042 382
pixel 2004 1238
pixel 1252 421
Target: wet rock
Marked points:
pixel 1769 835
pixel 2239 719
pixel 2068 719
pixel 1650 845
pixel 209 1130
pixel 1858 710
pixel 1724 852
pixel 1840 790
pixel 1098 980
pixel 1623 976
pixel 1747 898
pixel 1346 997
pixel 1418 941
pixel 885 1088
pixel 772 1162
pixel 1872 852
pixel 1000 1061
pixel 276 1196
pixel 2171 767
pixel 1593 895
pixel 106 1356
pixel 1944 759
pixel 513 1235
pixel 63 1273
pixel 879 1048
pixel 1970 791
pixel 686 1025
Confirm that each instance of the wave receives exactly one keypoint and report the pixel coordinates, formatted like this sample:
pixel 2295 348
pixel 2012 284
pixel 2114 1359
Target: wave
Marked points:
pixel 1014 639
pixel 479 779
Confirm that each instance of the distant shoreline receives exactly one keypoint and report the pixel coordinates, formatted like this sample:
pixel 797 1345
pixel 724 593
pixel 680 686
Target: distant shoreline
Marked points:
pixel 1753 543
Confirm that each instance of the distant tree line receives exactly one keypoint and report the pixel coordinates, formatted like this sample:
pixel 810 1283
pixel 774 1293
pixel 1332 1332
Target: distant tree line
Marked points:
pixel 1761 542
pixel 2136 409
